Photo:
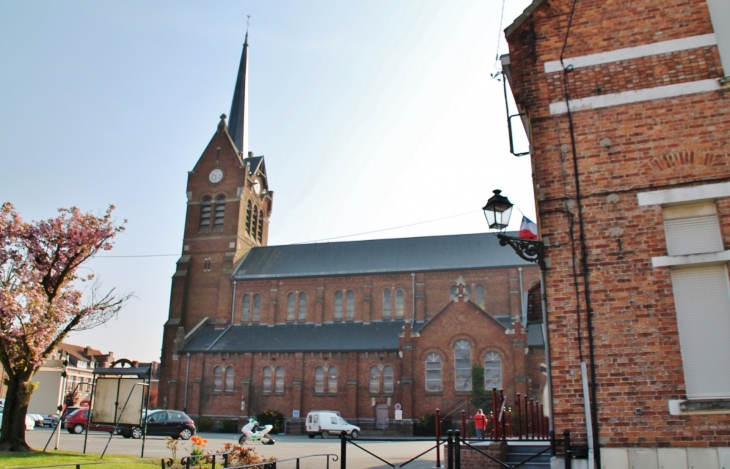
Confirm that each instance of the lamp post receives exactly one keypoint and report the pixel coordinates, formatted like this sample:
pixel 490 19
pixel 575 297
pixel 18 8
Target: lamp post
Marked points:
pixel 498 211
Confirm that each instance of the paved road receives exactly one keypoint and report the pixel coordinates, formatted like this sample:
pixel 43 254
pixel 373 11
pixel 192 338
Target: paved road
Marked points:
pixel 287 446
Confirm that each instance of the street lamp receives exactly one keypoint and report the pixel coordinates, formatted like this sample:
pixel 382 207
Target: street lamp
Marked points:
pixel 498 211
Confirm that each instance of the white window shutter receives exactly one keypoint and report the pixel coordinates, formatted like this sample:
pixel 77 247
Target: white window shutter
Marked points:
pixel 702 301
pixel 720 15
pixel 693 235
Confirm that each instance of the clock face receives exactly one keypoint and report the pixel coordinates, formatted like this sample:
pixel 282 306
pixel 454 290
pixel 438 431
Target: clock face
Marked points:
pixel 215 176
pixel 257 187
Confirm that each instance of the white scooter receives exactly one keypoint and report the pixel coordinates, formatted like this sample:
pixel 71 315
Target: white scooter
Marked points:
pixel 252 431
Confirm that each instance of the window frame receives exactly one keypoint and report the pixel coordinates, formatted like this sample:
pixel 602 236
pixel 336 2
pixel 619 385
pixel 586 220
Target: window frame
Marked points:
pixel 374 381
pixel 434 357
pixel 279 380
pixel 350 305
pixel 388 380
pixel 229 379
pixel 256 314
pixel 387 304
pixel 319 380
pixel 338 303
pixel 266 383
pixel 332 375
pixel 302 307
pixel 400 299
pixel 246 308
pixel 459 371
pixel 218 379
pixel 492 355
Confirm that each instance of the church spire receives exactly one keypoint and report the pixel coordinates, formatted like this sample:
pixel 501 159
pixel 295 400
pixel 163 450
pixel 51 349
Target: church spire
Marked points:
pixel 238 120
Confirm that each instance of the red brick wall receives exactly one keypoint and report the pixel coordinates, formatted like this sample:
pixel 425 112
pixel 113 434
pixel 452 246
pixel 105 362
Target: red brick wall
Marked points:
pixel 655 144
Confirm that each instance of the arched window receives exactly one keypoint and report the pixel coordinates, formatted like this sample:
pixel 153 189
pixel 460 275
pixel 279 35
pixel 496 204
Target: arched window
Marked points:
pixel 388 377
pixel 480 296
pixel 266 385
pixel 462 366
pixel 229 379
pixel 386 303
pixel 279 380
pixel 374 380
pixel 220 214
pixel 246 308
pixel 350 305
pixel 399 300
pixel 217 379
pixel 338 306
pixel 205 208
pixel 260 234
pixel 319 379
pixel 492 371
pixel 291 306
pixel 433 373
pixel 248 216
pixel 302 313
pixel 257 308
pixel 332 380
pixel 254 222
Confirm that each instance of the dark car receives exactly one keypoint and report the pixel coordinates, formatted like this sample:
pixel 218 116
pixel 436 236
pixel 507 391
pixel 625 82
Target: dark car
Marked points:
pixel 163 423
pixel 77 421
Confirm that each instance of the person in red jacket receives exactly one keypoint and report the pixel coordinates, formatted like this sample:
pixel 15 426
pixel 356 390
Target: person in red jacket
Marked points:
pixel 480 422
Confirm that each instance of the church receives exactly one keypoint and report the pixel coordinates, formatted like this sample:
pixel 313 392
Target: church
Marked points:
pixel 382 331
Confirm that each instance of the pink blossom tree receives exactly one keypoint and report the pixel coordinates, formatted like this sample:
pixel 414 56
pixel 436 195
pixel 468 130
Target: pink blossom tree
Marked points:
pixel 42 298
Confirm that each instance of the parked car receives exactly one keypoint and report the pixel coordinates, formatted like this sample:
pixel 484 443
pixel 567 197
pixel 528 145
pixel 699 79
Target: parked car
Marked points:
pixel 37 419
pixel 50 420
pixel 77 421
pixel 162 423
pixel 29 422
pixel 329 422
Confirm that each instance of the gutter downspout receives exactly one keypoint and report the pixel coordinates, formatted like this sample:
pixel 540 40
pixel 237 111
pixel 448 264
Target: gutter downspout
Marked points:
pixel 413 297
pixel 187 375
pixel 233 302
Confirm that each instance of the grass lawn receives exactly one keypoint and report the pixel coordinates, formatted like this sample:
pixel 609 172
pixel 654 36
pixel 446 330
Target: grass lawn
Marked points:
pixel 53 458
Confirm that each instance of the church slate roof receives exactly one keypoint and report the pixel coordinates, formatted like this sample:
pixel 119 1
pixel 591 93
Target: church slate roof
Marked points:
pixel 378 256
pixel 376 336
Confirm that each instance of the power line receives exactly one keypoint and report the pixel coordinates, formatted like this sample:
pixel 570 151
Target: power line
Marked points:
pixel 316 240
pixel 387 229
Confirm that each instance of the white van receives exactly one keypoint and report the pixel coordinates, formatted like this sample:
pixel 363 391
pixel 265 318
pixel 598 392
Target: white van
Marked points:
pixel 329 422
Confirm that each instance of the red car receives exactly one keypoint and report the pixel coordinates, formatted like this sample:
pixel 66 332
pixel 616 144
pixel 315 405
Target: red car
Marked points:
pixel 76 422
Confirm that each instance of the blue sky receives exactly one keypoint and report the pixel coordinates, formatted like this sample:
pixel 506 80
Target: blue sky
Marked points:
pixel 371 115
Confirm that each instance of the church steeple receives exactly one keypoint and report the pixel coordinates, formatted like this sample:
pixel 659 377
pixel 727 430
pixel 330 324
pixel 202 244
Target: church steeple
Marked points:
pixel 238 118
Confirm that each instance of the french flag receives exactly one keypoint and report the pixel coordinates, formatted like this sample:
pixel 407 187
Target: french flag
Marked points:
pixel 528 229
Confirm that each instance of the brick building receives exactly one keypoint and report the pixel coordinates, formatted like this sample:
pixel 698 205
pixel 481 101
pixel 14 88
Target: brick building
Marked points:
pixel 627 111
pixel 356 327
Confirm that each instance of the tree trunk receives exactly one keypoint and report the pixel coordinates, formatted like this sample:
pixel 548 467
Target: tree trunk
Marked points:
pixel 16 406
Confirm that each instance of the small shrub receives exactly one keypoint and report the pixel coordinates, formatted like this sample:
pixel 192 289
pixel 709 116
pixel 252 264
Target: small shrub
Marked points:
pixel 205 424
pixel 228 426
pixel 240 456
pixel 425 426
pixel 271 417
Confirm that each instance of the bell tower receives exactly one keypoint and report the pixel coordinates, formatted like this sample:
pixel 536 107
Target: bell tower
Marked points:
pixel 228 209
